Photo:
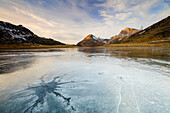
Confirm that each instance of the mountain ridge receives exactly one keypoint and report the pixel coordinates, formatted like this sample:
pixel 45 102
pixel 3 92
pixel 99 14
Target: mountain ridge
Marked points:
pixel 158 32
pixel 18 34
pixel 124 34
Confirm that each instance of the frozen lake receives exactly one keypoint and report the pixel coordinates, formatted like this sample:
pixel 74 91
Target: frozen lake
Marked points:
pixel 85 80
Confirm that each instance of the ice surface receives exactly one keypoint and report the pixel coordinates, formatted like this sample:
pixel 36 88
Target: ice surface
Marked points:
pixel 95 80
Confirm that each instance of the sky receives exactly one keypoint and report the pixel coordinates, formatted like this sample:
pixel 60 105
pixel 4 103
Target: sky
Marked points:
pixel 70 21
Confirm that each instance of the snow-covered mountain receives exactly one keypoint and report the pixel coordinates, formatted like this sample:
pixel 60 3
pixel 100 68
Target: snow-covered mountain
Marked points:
pixel 18 34
pixel 91 41
pixel 124 34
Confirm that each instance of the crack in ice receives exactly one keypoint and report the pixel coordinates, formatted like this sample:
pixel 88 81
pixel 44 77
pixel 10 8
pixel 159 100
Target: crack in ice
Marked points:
pixel 120 98
pixel 41 91
pixel 135 97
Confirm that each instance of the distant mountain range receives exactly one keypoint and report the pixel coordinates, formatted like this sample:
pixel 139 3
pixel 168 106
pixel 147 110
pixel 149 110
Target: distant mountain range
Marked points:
pixel 92 41
pixel 156 33
pixel 12 34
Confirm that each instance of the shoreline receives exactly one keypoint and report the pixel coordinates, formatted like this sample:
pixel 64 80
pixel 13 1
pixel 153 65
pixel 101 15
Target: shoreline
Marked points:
pixel 28 46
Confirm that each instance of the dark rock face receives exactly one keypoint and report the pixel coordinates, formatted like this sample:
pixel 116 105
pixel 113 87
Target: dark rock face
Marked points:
pixel 124 34
pixel 92 41
pixel 12 34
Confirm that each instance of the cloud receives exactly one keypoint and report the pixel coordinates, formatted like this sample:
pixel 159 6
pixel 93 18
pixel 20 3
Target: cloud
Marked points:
pixel 133 13
pixel 122 16
pixel 36 18
pixel 71 20
pixel 50 23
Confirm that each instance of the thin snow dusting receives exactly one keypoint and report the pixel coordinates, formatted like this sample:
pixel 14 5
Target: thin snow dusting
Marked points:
pixel 15 33
pixel 142 32
pixel 95 38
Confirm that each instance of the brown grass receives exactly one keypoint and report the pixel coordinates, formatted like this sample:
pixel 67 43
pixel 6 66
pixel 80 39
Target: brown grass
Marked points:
pixel 36 46
pixel 138 45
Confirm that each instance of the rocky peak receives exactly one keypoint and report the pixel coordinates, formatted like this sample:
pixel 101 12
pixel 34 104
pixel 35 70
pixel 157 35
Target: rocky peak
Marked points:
pixel 90 37
pixel 124 34
pixel 91 41
pixel 114 36
pixel 127 30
